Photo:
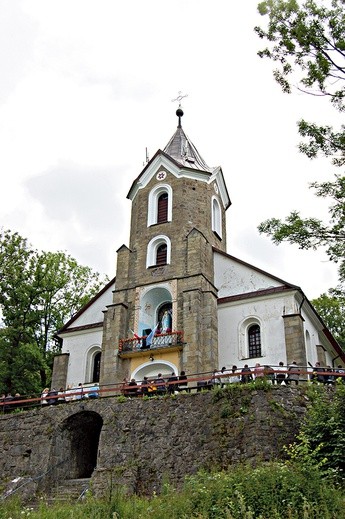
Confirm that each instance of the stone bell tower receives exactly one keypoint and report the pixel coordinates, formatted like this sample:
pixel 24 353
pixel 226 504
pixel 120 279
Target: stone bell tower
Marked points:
pixel 177 219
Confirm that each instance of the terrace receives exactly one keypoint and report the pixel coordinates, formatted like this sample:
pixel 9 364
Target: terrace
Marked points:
pixel 160 342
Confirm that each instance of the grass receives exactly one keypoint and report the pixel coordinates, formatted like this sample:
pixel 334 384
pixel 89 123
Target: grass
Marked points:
pixel 270 491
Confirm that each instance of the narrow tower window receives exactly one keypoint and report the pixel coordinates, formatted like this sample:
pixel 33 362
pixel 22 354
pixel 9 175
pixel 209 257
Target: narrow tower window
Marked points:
pixel 216 218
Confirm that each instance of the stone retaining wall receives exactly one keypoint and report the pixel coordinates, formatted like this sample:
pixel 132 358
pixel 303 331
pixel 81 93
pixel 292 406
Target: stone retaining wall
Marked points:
pixel 144 442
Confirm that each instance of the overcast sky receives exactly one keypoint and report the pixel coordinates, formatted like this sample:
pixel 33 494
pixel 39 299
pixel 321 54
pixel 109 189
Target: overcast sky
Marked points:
pixel 87 85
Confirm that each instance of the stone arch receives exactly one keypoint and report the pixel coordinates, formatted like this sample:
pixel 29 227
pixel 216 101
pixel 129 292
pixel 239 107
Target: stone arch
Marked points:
pixel 75 445
pixel 152 368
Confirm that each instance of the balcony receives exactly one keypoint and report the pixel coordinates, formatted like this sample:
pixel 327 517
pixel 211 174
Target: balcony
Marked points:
pixel 161 342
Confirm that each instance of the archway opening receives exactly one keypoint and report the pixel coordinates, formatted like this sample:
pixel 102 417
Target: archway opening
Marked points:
pixel 76 445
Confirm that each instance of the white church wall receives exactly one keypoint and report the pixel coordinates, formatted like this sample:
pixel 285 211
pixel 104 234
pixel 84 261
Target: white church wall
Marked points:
pixel 94 313
pixel 268 312
pixel 233 277
pixel 79 345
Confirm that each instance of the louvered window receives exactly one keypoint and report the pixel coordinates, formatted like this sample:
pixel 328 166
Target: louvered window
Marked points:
pixel 161 256
pixel 162 209
pixel 254 340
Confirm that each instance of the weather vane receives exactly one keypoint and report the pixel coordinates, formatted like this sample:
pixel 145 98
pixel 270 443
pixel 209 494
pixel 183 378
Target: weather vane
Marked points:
pixel 179 97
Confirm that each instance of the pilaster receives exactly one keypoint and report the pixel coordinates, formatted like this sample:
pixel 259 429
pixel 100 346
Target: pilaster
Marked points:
pixel 295 339
pixel 60 369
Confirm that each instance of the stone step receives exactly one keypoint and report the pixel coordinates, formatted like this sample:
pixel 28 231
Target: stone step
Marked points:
pixel 66 491
pixel 69 489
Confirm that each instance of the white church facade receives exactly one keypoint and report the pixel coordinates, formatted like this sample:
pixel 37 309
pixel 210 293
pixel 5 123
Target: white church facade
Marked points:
pixel 179 301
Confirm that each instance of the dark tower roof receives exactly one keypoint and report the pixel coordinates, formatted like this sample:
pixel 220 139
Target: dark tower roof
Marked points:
pixel 181 148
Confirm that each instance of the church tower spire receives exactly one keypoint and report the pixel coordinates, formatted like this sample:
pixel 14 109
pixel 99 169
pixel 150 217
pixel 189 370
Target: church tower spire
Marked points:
pixel 181 148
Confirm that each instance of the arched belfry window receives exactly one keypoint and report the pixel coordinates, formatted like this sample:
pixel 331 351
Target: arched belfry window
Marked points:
pixel 216 217
pixel 161 254
pixel 159 205
pixel 158 251
pixel 254 341
pixel 162 208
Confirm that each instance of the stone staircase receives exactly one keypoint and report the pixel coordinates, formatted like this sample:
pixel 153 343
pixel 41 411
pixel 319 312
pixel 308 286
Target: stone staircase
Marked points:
pixel 66 491
pixel 69 490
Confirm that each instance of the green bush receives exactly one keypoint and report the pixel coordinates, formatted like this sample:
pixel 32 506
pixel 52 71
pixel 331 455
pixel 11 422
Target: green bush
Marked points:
pixel 321 442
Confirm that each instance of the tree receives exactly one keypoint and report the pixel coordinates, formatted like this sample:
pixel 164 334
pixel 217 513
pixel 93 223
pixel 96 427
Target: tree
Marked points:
pixel 308 44
pixel 311 233
pixel 321 441
pixel 331 308
pixel 39 291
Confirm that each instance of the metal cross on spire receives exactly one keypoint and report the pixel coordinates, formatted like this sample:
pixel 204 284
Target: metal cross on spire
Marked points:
pixel 179 98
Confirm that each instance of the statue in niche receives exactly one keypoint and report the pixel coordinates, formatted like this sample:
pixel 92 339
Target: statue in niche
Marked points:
pixel 166 322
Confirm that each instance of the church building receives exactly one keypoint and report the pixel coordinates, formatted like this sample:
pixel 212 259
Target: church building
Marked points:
pixel 179 301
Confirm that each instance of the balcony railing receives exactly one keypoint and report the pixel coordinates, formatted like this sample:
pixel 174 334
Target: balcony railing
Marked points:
pixel 160 340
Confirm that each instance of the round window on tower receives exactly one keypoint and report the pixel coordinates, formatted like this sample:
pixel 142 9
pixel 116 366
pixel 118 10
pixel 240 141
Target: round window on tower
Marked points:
pixel 161 175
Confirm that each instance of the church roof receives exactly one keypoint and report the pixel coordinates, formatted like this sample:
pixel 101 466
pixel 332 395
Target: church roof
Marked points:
pixel 181 148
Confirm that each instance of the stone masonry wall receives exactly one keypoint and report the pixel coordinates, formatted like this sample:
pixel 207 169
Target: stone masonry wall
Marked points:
pixel 143 442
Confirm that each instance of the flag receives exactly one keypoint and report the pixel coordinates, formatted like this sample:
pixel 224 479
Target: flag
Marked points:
pixel 134 334
pixel 150 337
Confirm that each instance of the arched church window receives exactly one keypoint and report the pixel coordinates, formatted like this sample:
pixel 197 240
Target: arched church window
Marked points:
pixel 216 217
pixel 254 341
pixel 162 208
pixel 93 363
pixel 161 255
pixel 159 205
pixel 96 370
pixel 158 251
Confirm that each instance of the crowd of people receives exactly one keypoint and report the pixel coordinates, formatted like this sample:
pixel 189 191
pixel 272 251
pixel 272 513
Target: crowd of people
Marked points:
pixel 10 401
pixel 54 397
pixel 281 375
pixel 169 384
pixel 156 386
